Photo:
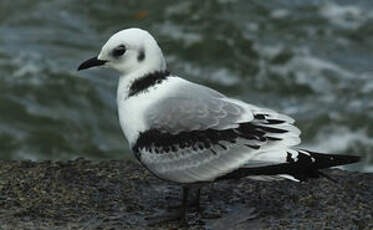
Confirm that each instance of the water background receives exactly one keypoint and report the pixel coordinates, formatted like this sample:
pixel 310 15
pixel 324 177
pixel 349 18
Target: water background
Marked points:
pixel 312 60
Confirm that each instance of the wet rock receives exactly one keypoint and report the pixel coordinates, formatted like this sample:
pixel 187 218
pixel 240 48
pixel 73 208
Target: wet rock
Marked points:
pixel 82 194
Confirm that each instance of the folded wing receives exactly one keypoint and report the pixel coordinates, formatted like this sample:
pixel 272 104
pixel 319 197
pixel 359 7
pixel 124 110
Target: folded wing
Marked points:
pixel 201 135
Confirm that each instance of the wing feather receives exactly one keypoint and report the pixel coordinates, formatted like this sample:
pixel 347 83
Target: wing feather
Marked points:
pixel 200 135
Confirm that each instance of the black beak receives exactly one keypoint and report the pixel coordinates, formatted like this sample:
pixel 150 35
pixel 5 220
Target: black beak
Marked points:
pixel 92 62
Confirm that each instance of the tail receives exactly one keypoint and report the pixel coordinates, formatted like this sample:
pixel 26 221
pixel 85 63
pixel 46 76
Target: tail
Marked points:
pixel 323 160
pixel 303 167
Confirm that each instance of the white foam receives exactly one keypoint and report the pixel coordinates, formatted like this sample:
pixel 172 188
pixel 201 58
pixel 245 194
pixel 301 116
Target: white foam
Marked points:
pixel 178 8
pixel 338 139
pixel 280 13
pixel 22 154
pixel 221 75
pixel 315 72
pixel 27 65
pixel 366 169
pixel 368 87
pixel 348 16
pixel 177 33
pixel 252 27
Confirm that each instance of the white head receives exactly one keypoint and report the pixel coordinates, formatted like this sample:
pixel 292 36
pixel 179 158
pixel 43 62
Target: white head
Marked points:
pixel 130 51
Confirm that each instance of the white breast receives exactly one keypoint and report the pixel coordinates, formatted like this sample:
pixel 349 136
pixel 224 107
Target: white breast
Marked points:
pixel 131 120
pixel 131 109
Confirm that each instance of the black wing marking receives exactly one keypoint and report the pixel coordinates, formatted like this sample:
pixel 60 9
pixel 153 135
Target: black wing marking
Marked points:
pixel 158 142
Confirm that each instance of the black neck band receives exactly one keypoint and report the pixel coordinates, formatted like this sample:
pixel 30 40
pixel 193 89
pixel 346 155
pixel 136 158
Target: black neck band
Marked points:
pixel 143 83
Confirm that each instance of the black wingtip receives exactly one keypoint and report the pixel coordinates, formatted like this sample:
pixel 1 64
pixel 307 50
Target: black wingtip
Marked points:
pixel 92 62
pixel 352 159
pixel 344 159
pixel 331 160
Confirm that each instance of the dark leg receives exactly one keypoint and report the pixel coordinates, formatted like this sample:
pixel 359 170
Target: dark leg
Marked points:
pixel 178 214
pixel 197 202
pixel 194 203
pixel 184 205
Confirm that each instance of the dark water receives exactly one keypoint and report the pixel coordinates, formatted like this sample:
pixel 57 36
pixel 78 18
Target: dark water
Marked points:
pixel 309 59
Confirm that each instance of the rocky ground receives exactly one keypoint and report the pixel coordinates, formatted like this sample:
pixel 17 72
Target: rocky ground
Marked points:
pixel 82 194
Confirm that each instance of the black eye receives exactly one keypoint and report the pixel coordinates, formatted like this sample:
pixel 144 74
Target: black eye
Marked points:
pixel 119 51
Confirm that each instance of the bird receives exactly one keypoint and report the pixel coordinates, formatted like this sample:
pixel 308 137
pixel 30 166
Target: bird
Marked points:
pixel 189 134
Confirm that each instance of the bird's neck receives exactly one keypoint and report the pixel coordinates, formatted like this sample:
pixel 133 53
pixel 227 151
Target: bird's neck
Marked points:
pixel 153 65
pixel 134 83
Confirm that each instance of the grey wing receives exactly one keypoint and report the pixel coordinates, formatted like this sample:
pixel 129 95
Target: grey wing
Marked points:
pixel 195 107
pixel 196 138
pixel 177 114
